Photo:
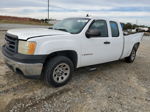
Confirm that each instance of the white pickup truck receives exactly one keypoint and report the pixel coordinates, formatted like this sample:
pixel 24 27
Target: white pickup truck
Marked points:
pixel 71 43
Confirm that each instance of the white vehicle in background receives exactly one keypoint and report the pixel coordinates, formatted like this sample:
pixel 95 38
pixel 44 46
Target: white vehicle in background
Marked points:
pixel 72 43
pixel 142 29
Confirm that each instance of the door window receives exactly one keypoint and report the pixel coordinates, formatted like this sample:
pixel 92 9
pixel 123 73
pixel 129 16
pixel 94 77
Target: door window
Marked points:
pixel 100 25
pixel 114 29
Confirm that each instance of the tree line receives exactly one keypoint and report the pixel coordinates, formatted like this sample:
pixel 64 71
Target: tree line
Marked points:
pixel 133 26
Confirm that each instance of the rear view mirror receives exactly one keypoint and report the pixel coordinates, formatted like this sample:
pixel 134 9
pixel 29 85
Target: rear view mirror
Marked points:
pixel 93 33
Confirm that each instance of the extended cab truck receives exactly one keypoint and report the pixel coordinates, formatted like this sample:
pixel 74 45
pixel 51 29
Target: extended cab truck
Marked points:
pixel 72 43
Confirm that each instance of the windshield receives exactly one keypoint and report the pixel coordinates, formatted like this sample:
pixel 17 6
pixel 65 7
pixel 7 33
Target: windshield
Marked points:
pixel 71 25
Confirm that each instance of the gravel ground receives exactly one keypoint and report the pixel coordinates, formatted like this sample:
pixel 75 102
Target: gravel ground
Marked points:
pixel 113 87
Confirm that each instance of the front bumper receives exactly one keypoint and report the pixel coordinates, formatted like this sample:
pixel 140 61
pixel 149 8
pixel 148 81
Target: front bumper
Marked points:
pixel 24 68
pixel 28 65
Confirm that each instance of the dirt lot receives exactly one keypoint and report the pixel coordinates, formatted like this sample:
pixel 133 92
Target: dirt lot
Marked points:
pixel 113 87
pixel 11 26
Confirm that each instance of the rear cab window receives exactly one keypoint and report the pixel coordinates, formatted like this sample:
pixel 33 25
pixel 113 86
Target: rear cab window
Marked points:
pixel 114 29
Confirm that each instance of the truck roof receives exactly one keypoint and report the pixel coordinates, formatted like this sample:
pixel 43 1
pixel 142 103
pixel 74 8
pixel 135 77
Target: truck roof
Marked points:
pixel 103 18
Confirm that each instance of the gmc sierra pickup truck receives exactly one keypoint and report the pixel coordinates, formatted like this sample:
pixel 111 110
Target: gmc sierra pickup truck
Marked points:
pixel 56 52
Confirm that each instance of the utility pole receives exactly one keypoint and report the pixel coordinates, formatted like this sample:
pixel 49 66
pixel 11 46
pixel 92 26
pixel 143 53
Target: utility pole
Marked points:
pixel 136 22
pixel 48 10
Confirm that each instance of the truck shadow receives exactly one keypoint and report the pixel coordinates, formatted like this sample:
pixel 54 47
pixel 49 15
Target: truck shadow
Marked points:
pixel 100 67
pixel 111 69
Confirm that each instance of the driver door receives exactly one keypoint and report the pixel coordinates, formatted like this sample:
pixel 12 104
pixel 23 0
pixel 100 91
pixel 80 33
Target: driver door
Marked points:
pixel 97 49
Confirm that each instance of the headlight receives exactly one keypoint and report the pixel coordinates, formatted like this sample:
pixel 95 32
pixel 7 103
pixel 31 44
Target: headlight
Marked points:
pixel 26 47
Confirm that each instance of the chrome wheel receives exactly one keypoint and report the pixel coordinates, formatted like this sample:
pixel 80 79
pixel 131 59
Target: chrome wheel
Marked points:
pixel 61 72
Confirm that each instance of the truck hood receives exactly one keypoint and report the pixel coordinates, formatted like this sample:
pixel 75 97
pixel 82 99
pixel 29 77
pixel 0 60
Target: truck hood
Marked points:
pixel 25 33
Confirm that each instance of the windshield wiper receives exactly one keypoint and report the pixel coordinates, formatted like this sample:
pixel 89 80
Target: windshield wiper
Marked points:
pixel 61 29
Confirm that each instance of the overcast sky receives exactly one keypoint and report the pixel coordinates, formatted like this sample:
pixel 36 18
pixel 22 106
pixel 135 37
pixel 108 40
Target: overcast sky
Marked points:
pixel 123 10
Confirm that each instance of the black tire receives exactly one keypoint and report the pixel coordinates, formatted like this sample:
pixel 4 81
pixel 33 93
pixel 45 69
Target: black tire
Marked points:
pixel 54 78
pixel 132 56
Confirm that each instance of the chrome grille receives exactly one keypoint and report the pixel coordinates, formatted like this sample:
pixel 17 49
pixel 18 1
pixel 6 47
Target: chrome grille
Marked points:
pixel 11 43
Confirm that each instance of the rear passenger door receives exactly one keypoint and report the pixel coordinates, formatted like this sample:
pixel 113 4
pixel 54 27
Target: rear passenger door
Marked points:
pixel 116 40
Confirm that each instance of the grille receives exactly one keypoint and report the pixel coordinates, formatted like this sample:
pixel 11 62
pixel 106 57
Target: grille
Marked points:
pixel 11 43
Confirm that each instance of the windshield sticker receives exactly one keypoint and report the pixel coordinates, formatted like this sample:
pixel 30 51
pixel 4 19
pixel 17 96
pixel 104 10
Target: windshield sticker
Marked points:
pixel 82 21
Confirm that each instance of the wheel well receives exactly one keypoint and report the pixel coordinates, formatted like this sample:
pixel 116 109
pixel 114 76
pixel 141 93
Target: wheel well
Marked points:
pixel 72 55
pixel 136 46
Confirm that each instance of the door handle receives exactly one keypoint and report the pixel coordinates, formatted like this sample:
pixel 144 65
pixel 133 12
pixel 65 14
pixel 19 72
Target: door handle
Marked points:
pixel 106 42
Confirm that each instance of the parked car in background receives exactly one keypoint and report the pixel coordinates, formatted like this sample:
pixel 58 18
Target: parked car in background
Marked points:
pixel 142 29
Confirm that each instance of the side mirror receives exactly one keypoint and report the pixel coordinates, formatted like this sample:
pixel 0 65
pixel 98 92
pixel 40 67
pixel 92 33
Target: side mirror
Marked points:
pixel 93 33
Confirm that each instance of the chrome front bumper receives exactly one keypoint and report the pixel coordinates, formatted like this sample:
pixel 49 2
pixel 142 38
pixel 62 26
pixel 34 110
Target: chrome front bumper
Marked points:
pixel 26 69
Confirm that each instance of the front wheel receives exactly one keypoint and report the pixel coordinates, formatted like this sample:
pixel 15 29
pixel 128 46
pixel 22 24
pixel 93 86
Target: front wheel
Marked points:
pixel 58 71
pixel 132 56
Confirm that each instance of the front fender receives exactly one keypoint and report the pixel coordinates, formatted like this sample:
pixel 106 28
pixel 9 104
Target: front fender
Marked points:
pixel 57 45
pixel 48 45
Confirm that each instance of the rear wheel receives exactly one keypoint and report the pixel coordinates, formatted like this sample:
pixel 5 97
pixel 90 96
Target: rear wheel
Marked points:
pixel 132 56
pixel 58 71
